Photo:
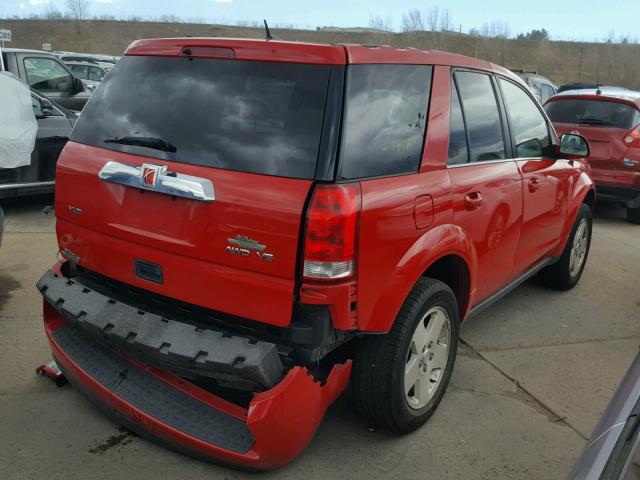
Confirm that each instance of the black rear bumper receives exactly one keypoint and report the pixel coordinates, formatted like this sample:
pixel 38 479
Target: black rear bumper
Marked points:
pixel 150 394
pixel 176 346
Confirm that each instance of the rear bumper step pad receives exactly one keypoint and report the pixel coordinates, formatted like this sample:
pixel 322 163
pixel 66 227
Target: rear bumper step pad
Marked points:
pixel 275 429
pixel 145 392
pixel 180 347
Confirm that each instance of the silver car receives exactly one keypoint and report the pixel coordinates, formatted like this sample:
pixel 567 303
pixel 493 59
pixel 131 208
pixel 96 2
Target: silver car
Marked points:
pixel 613 451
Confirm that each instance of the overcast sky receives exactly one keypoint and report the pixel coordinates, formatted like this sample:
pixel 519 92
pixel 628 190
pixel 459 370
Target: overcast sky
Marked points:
pixel 564 19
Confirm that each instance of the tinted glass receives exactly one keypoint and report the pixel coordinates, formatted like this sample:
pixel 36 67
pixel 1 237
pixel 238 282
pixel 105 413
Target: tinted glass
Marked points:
pixel 458 152
pixel 481 115
pixel 47 74
pixel 385 119
pixel 528 125
pixel 250 116
pixel 593 112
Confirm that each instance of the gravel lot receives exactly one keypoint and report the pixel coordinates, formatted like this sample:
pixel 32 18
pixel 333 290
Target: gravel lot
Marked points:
pixel 532 378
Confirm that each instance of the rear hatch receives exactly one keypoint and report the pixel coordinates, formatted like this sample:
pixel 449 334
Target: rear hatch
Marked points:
pixel 188 177
pixel 604 122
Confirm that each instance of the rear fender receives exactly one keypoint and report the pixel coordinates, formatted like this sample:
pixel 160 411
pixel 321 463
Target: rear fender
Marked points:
pixel 436 243
pixel 581 188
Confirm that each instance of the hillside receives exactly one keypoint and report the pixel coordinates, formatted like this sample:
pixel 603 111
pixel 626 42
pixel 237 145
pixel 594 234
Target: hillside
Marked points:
pixel 613 64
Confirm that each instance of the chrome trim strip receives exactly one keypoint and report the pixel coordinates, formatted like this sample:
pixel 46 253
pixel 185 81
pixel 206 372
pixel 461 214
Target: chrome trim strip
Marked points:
pixel 501 160
pixel 468 164
pixel 194 188
pixel 9 186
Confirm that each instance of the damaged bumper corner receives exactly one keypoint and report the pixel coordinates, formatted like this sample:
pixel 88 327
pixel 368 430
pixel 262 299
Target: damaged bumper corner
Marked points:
pixel 275 428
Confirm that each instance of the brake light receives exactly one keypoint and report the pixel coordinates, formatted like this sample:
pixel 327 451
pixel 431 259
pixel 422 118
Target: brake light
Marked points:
pixel 209 52
pixel 632 138
pixel 330 239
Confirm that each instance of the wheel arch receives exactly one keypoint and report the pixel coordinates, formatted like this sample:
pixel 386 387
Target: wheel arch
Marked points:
pixel 445 252
pixel 590 199
pixel 584 192
pixel 453 270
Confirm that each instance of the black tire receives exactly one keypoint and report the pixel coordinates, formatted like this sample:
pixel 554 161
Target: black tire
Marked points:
pixel 633 215
pixel 559 275
pixel 379 364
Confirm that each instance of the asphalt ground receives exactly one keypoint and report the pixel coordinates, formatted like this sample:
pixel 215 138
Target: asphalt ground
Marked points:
pixel 533 375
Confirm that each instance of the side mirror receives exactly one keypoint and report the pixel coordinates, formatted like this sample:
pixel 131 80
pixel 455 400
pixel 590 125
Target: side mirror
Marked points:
pixel 47 107
pixel 573 146
pixel 78 86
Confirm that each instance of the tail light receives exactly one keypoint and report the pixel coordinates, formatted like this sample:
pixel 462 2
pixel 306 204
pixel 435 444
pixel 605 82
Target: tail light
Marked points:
pixel 330 239
pixel 632 138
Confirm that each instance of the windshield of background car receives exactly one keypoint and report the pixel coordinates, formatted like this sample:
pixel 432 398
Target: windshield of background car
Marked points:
pixel 593 112
pixel 259 117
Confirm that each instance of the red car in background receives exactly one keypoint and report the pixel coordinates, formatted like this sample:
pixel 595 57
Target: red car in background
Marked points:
pixel 609 118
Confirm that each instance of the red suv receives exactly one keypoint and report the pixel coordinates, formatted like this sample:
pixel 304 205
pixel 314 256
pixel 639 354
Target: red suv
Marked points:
pixel 609 118
pixel 249 226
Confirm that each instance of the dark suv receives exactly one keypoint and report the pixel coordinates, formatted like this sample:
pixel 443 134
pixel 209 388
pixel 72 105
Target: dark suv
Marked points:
pixel 249 226
pixel 47 75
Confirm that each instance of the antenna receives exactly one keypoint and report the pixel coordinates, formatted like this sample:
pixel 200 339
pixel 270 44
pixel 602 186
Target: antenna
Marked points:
pixel 267 35
pixel 598 91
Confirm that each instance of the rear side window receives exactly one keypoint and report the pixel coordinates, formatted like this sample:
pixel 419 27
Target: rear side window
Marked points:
pixel 528 126
pixel 593 112
pixel 258 117
pixel 385 119
pixel 482 117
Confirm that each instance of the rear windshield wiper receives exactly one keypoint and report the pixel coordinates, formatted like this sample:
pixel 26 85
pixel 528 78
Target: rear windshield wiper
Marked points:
pixel 148 142
pixel 593 121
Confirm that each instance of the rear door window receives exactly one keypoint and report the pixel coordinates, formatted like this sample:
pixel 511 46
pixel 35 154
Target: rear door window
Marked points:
pixel 385 119
pixel 593 112
pixel 528 126
pixel 482 117
pixel 250 116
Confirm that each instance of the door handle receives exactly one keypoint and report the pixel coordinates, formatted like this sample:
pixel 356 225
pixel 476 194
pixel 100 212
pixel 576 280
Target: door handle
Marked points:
pixel 472 200
pixel 534 184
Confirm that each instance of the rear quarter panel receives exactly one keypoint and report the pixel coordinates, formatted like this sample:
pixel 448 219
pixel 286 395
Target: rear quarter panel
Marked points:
pixel 393 253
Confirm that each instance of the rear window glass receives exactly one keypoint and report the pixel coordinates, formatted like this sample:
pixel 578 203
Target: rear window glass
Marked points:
pixel 385 119
pixel 249 116
pixel 593 112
